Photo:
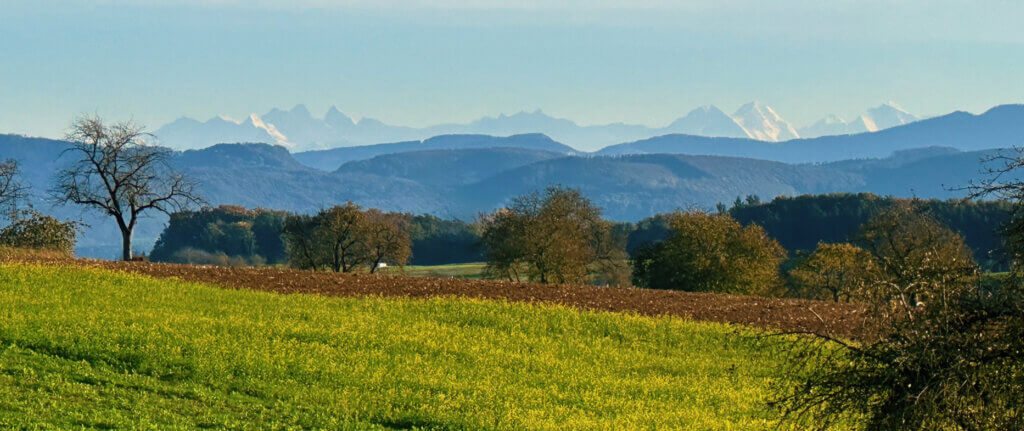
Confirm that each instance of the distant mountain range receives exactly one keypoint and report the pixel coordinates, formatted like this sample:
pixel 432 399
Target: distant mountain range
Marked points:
pixel 999 127
pixel 488 171
pixel 298 130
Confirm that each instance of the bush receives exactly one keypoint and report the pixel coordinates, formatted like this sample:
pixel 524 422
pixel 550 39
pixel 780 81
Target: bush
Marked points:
pixel 710 253
pixel 31 229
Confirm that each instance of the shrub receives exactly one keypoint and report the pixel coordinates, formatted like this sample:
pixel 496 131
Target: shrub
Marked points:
pixel 193 256
pixel 31 229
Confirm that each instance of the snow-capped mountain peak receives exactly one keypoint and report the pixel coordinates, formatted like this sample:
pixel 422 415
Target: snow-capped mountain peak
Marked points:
pixel 708 120
pixel 889 115
pixel 270 129
pixel 884 116
pixel 763 123
pixel 335 118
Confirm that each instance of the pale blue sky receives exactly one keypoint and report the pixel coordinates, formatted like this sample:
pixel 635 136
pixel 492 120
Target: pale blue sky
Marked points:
pixel 420 63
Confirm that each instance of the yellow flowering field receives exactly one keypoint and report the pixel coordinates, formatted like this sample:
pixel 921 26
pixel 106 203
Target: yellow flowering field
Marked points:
pixel 91 348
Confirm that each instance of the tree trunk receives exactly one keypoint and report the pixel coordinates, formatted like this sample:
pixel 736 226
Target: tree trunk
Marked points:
pixel 126 243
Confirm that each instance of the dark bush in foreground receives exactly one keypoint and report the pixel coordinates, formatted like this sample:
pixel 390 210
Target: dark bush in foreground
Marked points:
pixel 945 349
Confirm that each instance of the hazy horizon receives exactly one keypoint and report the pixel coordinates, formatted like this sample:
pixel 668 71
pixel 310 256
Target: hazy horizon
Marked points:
pixel 424 63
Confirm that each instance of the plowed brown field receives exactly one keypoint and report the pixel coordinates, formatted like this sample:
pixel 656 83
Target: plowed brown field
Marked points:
pixel 788 315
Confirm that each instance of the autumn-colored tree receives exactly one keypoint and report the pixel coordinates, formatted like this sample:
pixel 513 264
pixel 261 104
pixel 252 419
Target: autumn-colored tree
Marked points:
pixel 940 350
pixel 502 235
pixel 341 228
pixel 710 253
pixel 387 238
pixel 345 237
pixel 919 258
pixel 550 237
pixel 839 272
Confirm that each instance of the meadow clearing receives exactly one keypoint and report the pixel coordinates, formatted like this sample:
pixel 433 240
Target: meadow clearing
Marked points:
pixel 94 348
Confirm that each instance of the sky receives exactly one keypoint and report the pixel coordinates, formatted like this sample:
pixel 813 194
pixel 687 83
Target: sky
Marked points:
pixel 440 61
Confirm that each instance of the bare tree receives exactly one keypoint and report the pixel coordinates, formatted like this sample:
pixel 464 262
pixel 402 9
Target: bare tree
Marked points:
pixel 116 172
pixel 1005 181
pixel 1002 180
pixel 11 189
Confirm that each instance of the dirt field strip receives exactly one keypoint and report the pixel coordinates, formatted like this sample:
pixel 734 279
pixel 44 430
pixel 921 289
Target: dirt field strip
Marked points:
pixel 768 313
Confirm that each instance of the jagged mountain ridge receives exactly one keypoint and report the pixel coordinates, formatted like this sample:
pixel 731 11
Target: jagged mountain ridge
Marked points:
pixel 299 130
pixel 882 117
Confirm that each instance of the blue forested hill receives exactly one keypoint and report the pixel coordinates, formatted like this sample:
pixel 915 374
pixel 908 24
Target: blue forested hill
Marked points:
pixel 329 160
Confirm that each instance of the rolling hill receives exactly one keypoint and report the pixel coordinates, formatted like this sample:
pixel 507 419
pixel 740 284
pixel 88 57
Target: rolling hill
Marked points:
pixel 463 182
pixel 329 160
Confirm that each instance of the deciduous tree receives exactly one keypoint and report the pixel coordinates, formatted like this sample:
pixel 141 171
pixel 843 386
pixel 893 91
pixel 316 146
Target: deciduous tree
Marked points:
pixel 117 173
pixel 11 189
pixel 387 238
pixel 550 237
pixel 710 253
pixel 839 272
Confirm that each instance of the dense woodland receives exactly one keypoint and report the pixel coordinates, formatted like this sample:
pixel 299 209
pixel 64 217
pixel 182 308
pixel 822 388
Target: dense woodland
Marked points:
pixel 798 223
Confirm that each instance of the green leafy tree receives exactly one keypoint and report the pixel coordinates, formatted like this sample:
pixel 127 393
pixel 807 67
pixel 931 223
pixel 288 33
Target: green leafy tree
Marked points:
pixel 240 234
pixel 305 250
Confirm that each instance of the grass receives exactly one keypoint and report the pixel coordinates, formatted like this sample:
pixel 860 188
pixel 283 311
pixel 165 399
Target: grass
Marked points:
pixel 474 270
pixel 96 349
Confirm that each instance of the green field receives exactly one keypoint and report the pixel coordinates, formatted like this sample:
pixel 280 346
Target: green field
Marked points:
pixel 90 348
